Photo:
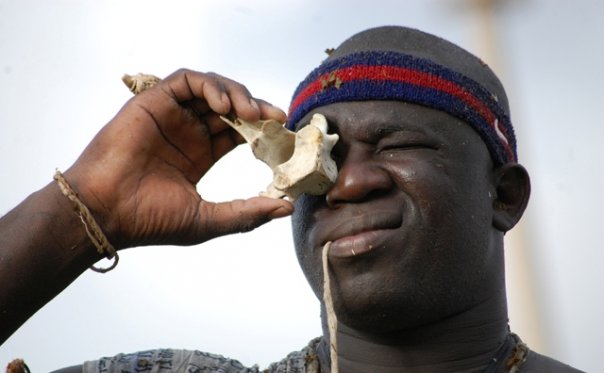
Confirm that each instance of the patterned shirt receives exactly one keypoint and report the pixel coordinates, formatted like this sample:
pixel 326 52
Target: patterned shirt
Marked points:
pixel 185 361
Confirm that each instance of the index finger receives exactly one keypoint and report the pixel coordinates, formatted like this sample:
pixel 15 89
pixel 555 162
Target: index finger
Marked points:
pixel 222 95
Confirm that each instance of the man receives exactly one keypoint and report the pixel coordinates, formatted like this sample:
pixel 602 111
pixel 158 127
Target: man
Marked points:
pixel 428 184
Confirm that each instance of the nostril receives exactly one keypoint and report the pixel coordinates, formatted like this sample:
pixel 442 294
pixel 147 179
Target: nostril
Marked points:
pixel 329 200
pixel 356 182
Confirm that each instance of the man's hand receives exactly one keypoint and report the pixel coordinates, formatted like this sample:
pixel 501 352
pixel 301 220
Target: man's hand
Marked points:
pixel 138 175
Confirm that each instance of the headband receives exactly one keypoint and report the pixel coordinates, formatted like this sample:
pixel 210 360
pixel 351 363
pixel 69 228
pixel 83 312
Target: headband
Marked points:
pixel 386 75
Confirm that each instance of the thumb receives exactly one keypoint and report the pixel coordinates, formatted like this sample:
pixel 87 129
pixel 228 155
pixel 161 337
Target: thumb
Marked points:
pixel 242 215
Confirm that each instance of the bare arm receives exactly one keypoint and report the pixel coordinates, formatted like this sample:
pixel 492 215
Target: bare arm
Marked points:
pixel 138 178
pixel 43 249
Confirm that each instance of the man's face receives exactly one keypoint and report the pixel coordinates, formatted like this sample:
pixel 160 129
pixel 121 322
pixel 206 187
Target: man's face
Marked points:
pixel 409 217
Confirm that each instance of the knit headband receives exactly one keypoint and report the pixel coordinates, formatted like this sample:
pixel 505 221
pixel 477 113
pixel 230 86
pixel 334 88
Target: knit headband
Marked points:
pixel 385 75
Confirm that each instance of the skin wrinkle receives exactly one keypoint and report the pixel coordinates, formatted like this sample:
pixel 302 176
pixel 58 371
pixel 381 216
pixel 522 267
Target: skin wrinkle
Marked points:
pixel 170 92
pixel 163 135
pixel 220 88
pixel 99 201
pixel 205 210
pixel 191 103
pixel 195 212
pixel 248 225
pixel 138 201
pixel 203 132
pixel 136 206
pixel 188 81
pixel 100 218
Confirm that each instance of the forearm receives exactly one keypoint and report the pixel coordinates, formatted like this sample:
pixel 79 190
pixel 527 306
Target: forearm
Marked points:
pixel 43 248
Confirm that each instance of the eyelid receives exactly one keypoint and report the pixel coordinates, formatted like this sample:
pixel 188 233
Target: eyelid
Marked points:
pixel 407 146
pixel 407 140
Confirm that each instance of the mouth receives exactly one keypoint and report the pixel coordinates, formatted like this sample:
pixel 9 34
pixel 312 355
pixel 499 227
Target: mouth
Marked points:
pixel 358 237
pixel 358 244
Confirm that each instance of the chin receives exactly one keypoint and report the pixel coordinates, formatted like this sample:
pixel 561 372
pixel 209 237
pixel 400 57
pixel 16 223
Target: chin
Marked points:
pixel 373 316
pixel 371 324
pixel 382 312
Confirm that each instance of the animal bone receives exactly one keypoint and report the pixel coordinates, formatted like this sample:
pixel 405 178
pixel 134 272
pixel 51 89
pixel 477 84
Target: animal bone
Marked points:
pixel 270 141
pixel 311 169
pixel 301 161
pixel 139 82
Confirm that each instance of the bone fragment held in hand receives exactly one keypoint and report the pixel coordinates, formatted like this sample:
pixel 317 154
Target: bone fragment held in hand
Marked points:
pixel 301 162
pixel 271 143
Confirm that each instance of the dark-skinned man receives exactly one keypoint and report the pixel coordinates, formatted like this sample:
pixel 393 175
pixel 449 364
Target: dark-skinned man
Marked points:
pixel 428 184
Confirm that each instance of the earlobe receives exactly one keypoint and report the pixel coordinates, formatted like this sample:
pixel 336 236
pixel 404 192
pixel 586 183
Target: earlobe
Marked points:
pixel 513 188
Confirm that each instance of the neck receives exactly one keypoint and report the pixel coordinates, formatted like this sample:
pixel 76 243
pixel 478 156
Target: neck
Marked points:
pixel 466 342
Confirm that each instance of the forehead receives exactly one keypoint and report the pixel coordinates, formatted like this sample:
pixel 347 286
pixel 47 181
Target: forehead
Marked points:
pixel 369 120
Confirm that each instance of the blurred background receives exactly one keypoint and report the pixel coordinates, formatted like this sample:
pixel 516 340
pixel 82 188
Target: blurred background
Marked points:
pixel 244 296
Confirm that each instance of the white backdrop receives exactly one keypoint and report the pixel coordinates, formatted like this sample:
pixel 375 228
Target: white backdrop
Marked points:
pixel 244 296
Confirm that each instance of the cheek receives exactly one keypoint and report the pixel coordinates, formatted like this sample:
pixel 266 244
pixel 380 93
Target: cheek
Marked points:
pixel 302 223
pixel 303 219
pixel 458 207
pixel 427 186
pixel 449 201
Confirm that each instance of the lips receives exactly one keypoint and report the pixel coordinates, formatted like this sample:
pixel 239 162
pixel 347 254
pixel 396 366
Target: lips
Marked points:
pixel 359 234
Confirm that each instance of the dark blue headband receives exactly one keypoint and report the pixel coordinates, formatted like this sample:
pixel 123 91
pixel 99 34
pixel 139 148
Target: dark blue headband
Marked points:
pixel 379 75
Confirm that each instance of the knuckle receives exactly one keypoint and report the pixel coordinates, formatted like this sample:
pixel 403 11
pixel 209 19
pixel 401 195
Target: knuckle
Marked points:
pixel 215 76
pixel 183 71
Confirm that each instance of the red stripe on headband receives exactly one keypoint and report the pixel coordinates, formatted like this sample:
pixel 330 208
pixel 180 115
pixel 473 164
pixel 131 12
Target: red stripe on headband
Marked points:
pixel 404 75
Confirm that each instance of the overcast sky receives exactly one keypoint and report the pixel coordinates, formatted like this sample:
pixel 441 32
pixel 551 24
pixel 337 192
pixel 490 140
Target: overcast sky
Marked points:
pixel 244 296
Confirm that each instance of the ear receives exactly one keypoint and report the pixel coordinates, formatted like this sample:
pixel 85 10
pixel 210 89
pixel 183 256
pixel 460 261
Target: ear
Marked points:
pixel 513 187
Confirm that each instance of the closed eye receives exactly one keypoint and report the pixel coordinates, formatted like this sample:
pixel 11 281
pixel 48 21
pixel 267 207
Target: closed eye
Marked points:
pixel 406 140
pixel 406 146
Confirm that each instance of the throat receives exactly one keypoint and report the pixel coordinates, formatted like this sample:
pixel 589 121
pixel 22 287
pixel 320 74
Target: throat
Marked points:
pixel 442 348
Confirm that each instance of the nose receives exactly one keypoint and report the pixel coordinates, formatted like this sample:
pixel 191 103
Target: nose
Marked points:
pixel 358 179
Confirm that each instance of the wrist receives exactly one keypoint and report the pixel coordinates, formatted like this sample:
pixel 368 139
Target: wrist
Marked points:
pixel 97 193
pixel 90 225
